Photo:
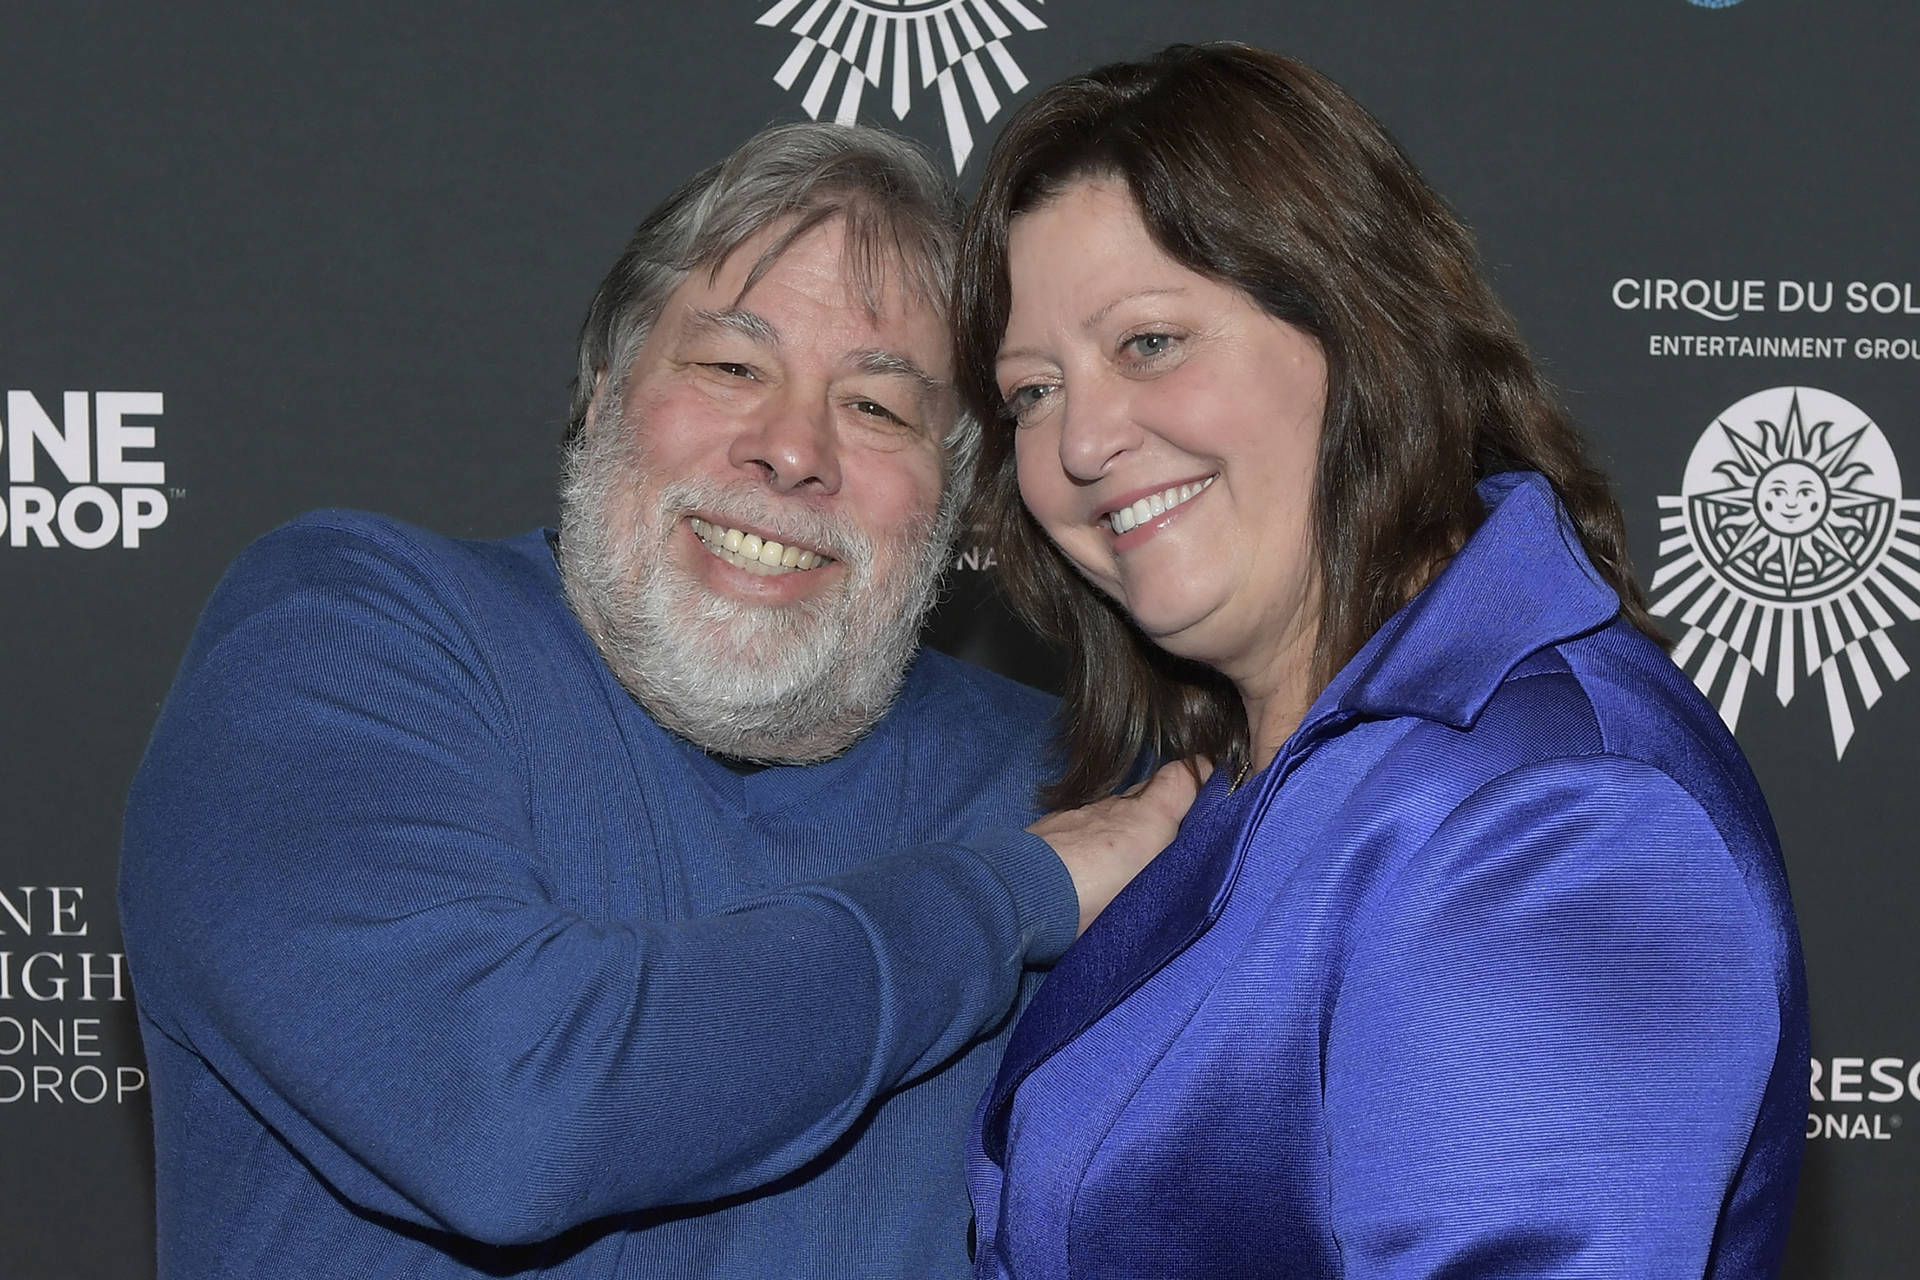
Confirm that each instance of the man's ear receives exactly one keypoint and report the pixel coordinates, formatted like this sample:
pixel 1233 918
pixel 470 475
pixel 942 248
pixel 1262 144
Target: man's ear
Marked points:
pixel 593 401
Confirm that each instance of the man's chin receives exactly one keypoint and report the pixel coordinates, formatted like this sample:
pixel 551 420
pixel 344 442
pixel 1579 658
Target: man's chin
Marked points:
pixel 753 636
pixel 761 682
pixel 803 722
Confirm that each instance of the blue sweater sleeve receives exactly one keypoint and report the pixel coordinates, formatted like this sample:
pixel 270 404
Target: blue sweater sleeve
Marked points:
pixel 1552 1039
pixel 329 897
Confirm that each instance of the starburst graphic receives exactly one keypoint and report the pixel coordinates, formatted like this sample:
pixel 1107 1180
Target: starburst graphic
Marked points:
pixel 1790 550
pixel 898 46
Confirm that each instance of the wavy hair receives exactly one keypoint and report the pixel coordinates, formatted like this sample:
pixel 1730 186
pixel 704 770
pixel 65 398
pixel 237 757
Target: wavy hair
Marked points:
pixel 1253 169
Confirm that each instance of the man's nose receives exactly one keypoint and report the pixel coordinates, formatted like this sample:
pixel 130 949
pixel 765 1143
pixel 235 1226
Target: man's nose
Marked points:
pixel 1097 426
pixel 792 445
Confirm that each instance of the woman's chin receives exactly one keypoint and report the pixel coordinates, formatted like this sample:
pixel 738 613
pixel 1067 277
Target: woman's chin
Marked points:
pixel 1183 633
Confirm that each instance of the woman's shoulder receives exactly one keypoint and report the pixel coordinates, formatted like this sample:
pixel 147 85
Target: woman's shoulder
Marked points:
pixel 1604 725
pixel 1596 703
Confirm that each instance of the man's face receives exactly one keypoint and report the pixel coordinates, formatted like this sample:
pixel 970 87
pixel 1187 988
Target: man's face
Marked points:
pixel 750 535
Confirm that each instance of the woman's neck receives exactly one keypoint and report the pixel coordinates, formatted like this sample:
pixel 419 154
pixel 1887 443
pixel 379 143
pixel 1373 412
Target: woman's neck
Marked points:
pixel 1270 724
pixel 1276 699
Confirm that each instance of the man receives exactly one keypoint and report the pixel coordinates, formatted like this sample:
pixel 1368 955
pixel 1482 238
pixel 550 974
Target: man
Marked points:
pixel 639 905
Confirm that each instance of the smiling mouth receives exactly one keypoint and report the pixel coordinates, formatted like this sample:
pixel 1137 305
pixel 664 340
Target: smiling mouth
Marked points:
pixel 753 553
pixel 1139 512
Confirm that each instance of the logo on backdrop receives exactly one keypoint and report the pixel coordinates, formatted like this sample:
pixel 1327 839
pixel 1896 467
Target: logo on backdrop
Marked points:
pixel 1788 552
pixel 896 47
pixel 1838 1086
pixel 56 1045
pixel 1666 300
pixel 88 480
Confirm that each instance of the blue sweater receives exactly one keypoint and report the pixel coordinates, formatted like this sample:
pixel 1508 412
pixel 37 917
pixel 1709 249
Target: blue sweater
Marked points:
pixel 452 962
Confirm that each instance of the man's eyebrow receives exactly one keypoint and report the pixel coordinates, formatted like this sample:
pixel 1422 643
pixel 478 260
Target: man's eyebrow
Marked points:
pixel 701 321
pixel 892 364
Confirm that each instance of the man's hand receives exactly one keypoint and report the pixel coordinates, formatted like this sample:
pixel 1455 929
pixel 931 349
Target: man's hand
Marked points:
pixel 1106 843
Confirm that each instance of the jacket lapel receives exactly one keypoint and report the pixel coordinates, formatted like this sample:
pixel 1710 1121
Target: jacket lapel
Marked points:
pixel 1152 920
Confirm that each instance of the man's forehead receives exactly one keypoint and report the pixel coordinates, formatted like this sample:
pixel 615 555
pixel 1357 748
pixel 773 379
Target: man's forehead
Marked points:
pixel 868 276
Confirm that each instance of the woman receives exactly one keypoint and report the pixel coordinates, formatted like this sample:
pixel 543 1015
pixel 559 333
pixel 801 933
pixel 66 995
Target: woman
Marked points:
pixel 1474 957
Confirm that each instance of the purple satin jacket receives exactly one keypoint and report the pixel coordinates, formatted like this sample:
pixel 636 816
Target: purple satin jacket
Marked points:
pixel 1492 972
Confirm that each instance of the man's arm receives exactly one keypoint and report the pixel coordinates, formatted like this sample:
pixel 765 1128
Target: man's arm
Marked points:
pixel 329 896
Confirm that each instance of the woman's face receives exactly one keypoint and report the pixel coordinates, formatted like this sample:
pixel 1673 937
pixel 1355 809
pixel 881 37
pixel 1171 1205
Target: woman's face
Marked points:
pixel 1168 431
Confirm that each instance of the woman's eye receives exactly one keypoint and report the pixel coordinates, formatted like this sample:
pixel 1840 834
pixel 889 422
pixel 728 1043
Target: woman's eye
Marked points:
pixel 1021 402
pixel 1148 345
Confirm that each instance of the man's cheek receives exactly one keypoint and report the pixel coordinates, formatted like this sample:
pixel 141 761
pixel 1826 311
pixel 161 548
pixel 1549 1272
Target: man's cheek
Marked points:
pixel 634 517
pixel 912 484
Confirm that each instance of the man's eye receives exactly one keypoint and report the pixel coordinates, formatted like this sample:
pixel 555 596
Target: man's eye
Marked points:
pixel 874 409
pixel 730 368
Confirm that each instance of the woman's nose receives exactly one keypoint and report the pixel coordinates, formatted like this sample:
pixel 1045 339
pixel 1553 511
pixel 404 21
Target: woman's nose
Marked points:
pixel 1097 427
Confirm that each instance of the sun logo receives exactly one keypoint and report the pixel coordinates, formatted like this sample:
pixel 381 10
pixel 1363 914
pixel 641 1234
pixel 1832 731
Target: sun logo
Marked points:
pixel 1790 550
pixel 898 45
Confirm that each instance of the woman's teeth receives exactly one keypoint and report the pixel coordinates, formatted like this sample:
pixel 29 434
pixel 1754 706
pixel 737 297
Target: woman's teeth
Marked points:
pixel 753 553
pixel 1157 504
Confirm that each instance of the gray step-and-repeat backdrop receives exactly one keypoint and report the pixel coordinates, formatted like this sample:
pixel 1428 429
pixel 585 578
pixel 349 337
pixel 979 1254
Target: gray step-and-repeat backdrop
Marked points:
pixel 257 258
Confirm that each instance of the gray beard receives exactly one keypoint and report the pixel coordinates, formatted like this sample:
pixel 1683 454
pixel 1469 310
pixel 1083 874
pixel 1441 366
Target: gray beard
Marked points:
pixel 782 684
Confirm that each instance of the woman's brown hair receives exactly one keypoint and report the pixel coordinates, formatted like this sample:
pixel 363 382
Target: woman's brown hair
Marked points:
pixel 1253 169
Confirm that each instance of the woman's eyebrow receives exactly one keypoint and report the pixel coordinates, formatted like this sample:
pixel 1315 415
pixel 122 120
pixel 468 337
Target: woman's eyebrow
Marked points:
pixel 1100 313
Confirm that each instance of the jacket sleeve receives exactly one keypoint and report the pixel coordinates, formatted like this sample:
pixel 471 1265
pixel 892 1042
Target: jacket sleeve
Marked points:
pixel 330 896
pixel 1550 1045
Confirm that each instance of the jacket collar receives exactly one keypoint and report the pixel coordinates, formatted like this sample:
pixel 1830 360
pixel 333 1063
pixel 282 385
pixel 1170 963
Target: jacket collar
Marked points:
pixel 1521 584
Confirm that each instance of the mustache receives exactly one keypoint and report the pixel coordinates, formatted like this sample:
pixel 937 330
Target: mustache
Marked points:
pixel 748 504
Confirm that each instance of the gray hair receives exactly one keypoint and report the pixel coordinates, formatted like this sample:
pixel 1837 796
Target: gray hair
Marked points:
pixel 899 213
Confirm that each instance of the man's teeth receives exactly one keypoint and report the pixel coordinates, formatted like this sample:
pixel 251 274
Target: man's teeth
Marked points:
pixel 1156 504
pixel 753 553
